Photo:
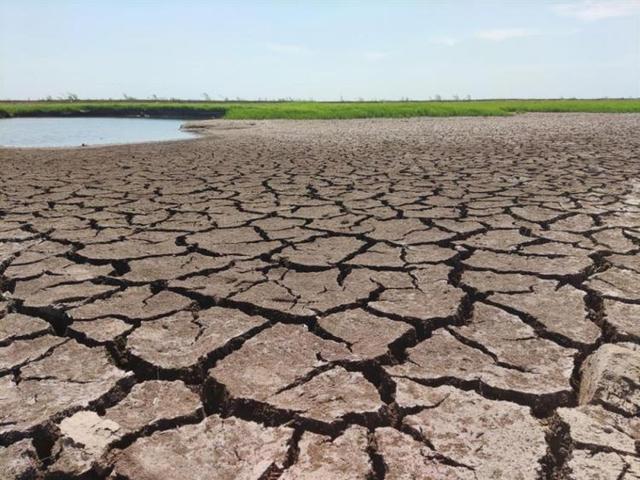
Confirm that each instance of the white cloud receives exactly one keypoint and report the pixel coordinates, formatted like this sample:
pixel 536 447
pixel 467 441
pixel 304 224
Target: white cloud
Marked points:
pixel 286 48
pixel 445 41
pixel 501 34
pixel 374 56
pixel 592 10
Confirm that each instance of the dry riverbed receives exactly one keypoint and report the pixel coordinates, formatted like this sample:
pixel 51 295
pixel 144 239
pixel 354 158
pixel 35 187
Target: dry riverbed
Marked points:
pixel 398 299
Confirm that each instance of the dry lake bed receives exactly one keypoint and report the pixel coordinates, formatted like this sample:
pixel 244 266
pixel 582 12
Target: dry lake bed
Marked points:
pixel 401 299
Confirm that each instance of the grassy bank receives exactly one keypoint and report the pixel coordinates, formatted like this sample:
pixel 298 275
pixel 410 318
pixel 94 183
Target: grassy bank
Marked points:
pixel 310 110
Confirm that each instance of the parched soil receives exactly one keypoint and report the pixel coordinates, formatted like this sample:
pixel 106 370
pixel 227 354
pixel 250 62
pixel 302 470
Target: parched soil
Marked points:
pixel 366 299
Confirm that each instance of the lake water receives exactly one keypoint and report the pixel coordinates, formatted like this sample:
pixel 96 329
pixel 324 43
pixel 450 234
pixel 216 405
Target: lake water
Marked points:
pixel 73 132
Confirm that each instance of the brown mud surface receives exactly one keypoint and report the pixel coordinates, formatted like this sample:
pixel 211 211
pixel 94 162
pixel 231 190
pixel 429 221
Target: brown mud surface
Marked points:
pixel 363 299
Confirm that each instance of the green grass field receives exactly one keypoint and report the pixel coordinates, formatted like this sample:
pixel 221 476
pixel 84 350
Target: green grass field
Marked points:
pixel 310 110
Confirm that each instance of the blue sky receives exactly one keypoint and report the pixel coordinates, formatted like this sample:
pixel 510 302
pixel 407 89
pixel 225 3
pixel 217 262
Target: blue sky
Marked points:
pixel 322 50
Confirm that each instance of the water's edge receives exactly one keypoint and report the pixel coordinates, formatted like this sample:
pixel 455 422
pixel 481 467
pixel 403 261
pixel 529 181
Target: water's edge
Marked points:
pixel 52 132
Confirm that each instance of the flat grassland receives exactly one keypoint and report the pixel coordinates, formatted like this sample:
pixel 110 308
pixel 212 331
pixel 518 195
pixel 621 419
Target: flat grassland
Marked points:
pixel 311 110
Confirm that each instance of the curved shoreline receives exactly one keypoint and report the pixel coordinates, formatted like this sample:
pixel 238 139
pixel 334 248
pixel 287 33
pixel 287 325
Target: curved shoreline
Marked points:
pixel 207 128
pixel 59 140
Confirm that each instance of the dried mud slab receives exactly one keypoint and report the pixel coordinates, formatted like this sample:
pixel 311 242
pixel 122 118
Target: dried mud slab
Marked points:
pixel 321 252
pixel 182 340
pixel 321 457
pixel 504 240
pixel 491 282
pixel 59 268
pixel 593 428
pixel 72 376
pixel 238 242
pixel 450 298
pixel 405 457
pixel 275 359
pixel 330 396
pixel 224 284
pixel 560 311
pixel 86 436
pixel 611 377
pixel 307 293
pixel 617 283
pixel 513 345
pixel 129 249
pixel 438 301
pixel 446 357
pixel 21 352
pixel 101 330
pixel 489 437
pixel 170 268
pixel 19 461
pixel 434 298
pixel 15 326
pixel 543 266
pixel 585 465
pixel 624 318
pixel 215 448
pixel 136 303
pixel 368 335
pixel 62 296
pixel 604 431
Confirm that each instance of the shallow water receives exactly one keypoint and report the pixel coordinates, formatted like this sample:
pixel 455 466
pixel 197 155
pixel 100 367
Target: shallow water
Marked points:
pixel 70 132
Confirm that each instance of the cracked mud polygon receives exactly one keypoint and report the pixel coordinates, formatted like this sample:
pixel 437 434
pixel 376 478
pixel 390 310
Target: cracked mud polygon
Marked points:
pixel 366 299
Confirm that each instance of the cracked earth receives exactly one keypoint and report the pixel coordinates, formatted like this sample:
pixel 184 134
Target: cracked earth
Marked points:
pixel 367 299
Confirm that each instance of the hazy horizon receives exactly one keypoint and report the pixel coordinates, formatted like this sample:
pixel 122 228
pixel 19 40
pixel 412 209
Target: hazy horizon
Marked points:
pixel 321 51
pixel 63 98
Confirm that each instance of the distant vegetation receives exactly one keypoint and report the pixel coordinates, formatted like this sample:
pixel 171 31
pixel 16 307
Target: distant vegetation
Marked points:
pixel 306 109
